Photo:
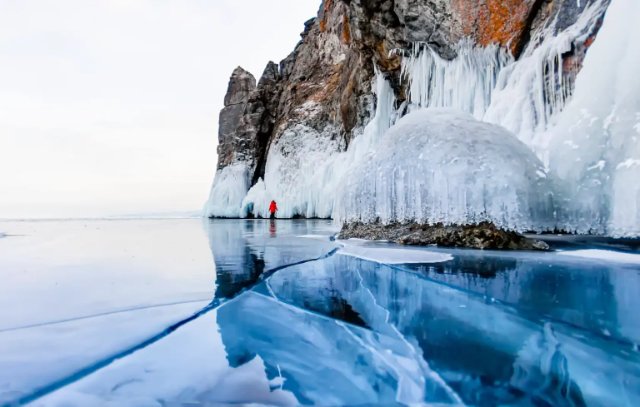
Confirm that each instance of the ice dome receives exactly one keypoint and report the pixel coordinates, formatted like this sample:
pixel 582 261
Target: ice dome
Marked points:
pixel 444 166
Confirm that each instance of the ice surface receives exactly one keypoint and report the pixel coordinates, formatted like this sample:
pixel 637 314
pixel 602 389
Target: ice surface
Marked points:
pixel 297 325
pixel 441 165
pixel 486 353
pixel 33 357
pixel 391 255
pixel 192 366
pixel 75 292
pixel 606 255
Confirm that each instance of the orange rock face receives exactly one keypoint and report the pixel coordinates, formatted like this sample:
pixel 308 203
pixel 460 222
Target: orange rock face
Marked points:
pixel 504 22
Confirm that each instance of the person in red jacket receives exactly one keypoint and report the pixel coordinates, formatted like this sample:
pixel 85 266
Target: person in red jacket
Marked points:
pixel 273 208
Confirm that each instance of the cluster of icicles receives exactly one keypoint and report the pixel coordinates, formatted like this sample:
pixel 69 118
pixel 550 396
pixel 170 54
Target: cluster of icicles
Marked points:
pixel 585 131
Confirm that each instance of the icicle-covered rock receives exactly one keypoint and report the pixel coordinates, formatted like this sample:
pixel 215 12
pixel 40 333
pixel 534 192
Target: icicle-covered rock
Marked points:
pixel 521 95
pixel 305 165
pixel 443 166
pixel 308 134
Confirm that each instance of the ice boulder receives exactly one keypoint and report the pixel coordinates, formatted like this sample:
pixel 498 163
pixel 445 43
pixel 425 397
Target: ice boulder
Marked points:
pixel 443 166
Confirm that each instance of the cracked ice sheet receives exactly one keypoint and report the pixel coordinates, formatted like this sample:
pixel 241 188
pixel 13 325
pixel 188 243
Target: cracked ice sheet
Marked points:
pixel 33 358
pixel 189 366
pixel 605 255
pixel 60 270
pixel 252 350
pixel 74 292
pixel 391 254
pixel 463 337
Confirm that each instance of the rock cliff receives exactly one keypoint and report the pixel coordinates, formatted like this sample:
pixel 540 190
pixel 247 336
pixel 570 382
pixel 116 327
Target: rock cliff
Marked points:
pixel 317 101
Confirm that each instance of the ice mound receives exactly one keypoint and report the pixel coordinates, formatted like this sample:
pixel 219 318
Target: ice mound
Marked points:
pixel 444 166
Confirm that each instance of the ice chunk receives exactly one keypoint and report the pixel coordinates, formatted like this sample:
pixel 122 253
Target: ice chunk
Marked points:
pixel 392 255
pixel 469 172
pixel 606 255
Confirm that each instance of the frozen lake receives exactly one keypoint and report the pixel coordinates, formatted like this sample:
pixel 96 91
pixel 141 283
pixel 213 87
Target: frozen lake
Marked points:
pixel 192 312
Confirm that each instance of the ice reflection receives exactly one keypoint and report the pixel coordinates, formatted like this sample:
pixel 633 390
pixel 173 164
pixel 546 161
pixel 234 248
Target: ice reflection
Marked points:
pixel 244 250
pixel 588 295
pixel 488 353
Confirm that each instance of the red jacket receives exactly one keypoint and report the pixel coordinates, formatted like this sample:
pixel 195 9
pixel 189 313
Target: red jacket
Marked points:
pixel 273 208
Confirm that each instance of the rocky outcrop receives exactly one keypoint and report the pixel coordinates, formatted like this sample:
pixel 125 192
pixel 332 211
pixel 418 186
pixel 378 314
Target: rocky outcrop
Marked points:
pixel 319 99
pixel 484 236
pixel 247 119
pixel 325 84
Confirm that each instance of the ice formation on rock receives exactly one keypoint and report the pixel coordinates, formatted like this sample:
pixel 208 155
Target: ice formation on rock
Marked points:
pixel 443 166
pixel 228 191
pixel 521 95
pixel 584 129
pixel 304 167
pixel 466 83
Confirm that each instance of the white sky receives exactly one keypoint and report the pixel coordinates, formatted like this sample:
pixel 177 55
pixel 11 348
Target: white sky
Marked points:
pixel 110 107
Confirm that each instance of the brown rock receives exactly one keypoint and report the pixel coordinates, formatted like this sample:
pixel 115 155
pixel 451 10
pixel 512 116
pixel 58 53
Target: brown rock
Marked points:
pixel 483 236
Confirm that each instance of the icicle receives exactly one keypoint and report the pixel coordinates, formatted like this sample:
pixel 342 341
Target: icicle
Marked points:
pixel 465 83
pixel 522 96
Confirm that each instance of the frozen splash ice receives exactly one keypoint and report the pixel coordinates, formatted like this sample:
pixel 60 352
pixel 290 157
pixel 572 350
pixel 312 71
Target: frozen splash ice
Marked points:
pixel 530 92
pixel 585 129
pixel 229 188
pixel 595 146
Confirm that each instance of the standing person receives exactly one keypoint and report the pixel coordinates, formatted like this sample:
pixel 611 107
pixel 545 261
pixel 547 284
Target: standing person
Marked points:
pixel 273 208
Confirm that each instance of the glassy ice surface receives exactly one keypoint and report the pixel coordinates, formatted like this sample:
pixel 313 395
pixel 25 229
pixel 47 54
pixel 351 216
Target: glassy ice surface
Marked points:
pixel 186 312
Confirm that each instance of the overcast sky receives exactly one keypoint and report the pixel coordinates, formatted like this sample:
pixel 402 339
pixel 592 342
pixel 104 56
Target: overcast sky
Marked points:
pixel 110 107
